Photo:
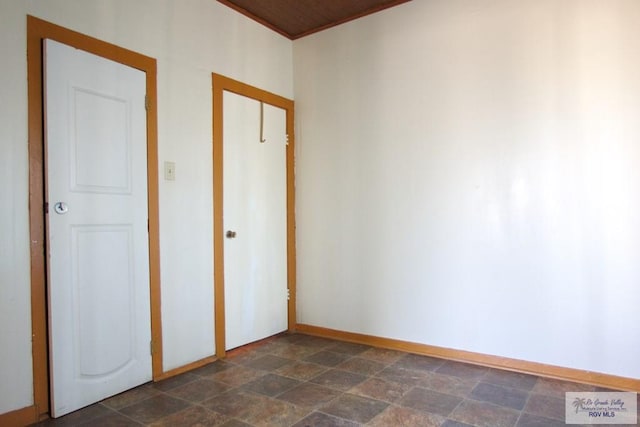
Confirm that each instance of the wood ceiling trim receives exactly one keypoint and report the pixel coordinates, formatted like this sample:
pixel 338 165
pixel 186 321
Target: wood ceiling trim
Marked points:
pixel 255 18
pixel 291 36
pixel 351 18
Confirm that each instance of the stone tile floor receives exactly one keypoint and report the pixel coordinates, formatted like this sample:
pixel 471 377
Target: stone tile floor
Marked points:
pixel 300 380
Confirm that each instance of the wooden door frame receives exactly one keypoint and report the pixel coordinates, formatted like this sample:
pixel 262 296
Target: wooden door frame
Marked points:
pixel 37 31
pixel 220 84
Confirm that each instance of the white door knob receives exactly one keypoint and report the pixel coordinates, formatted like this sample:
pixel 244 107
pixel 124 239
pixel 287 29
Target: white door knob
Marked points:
pixel 61 208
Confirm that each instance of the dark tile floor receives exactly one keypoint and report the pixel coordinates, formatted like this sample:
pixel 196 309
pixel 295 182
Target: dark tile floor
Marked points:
pixel 299 380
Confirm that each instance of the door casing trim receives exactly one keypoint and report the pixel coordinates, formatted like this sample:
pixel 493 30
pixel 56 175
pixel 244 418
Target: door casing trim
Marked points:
pixel 220 84
pixel 37 31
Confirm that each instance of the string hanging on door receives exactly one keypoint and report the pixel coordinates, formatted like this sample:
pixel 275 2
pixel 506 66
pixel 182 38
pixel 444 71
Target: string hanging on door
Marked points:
pixel 262 139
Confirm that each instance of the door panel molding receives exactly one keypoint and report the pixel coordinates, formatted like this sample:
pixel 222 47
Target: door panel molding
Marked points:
pixel 221 84
pixel 37 31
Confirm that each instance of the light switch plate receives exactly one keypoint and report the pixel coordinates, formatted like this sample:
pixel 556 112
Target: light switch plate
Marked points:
pixel 170 171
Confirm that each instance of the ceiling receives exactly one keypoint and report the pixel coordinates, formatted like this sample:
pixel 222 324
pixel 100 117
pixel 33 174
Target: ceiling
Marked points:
pixel 299 18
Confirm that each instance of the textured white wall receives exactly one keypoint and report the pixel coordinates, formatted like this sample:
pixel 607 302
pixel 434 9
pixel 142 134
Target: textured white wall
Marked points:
pixel 190 39
pixel 467 177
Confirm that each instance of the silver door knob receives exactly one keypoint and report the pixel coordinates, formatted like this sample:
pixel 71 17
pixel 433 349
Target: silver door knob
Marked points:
pixel 61 208
pixel 231 234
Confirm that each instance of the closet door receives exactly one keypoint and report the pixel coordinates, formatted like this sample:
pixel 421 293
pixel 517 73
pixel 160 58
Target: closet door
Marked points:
pixel 255 220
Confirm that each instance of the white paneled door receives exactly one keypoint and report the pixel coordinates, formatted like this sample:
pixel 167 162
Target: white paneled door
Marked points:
pixel 98 261
pixel 255 220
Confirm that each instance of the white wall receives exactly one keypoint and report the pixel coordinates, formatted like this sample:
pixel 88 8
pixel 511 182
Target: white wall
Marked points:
pixel 190 39
pixel 468 177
